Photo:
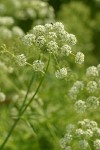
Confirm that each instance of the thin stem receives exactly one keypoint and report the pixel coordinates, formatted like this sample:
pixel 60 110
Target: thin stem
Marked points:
pixel 29 64
pixel 22 111
pixel 37 88
pixel 5 51
pixel 9 134
pixel 55 58
pixel 31 81
pixel 15 123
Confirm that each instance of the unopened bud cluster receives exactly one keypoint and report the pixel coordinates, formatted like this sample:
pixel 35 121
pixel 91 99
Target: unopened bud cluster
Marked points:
pixel 21 60
pixel 61 73
pixel 38 65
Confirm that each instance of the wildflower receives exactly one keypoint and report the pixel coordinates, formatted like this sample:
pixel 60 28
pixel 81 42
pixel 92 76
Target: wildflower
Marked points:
pixel 65 50
pixel 38 65
pixel 28 39
pixel 92 102
pixel 83 144
pixel 38 30
pixel 79 133
pixel 52 36
pixel 70 128
pixel 80 106
pixel 92 71
pixel 79 58
pixel 73 92
pixel 58 26
pixel 88 133
pixel 61 73
pixel 91 86
pixel 71 38
pixel 52 47
pixel 63 143
pixel 96 131
pixel 89 124
pixel 21 60
pixel 48 26
pixel 97 144
pixel 40 41
pixel 62 36
pixel 68 138
pixel 76 88
pixel 79 85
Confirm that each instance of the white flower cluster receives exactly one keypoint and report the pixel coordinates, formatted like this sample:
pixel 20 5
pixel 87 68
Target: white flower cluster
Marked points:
pixel 83 144
pixel 71 39
pixel 85 132
pixel 97 144
pixel 65 50
pixel 77 87
pixel 40 41
pixel 92 71
pixel 52 47
pixel 79 58
pixel 61 73
pixel 91 103
pixel 39 30
pixel 91 86
pixel 21 60
pixel 53 38
pixel 90 100
pixel 80 106
pixel 28 39
pixel 38 65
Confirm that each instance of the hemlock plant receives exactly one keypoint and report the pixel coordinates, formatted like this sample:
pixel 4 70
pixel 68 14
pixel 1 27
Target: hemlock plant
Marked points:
pixel 31 61
pixel 49 41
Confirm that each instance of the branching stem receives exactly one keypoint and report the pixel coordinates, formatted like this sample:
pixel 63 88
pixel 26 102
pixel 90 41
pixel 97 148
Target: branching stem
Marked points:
pixel 24 107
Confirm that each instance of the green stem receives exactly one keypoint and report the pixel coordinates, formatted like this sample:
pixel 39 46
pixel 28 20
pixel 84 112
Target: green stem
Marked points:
pixel 30 84
pixel 21 111
pixel 9 134
pixel 36 89
pixel 55 58
pixel 15 123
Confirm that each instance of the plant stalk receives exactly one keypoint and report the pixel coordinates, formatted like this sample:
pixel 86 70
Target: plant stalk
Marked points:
pixel 22 109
